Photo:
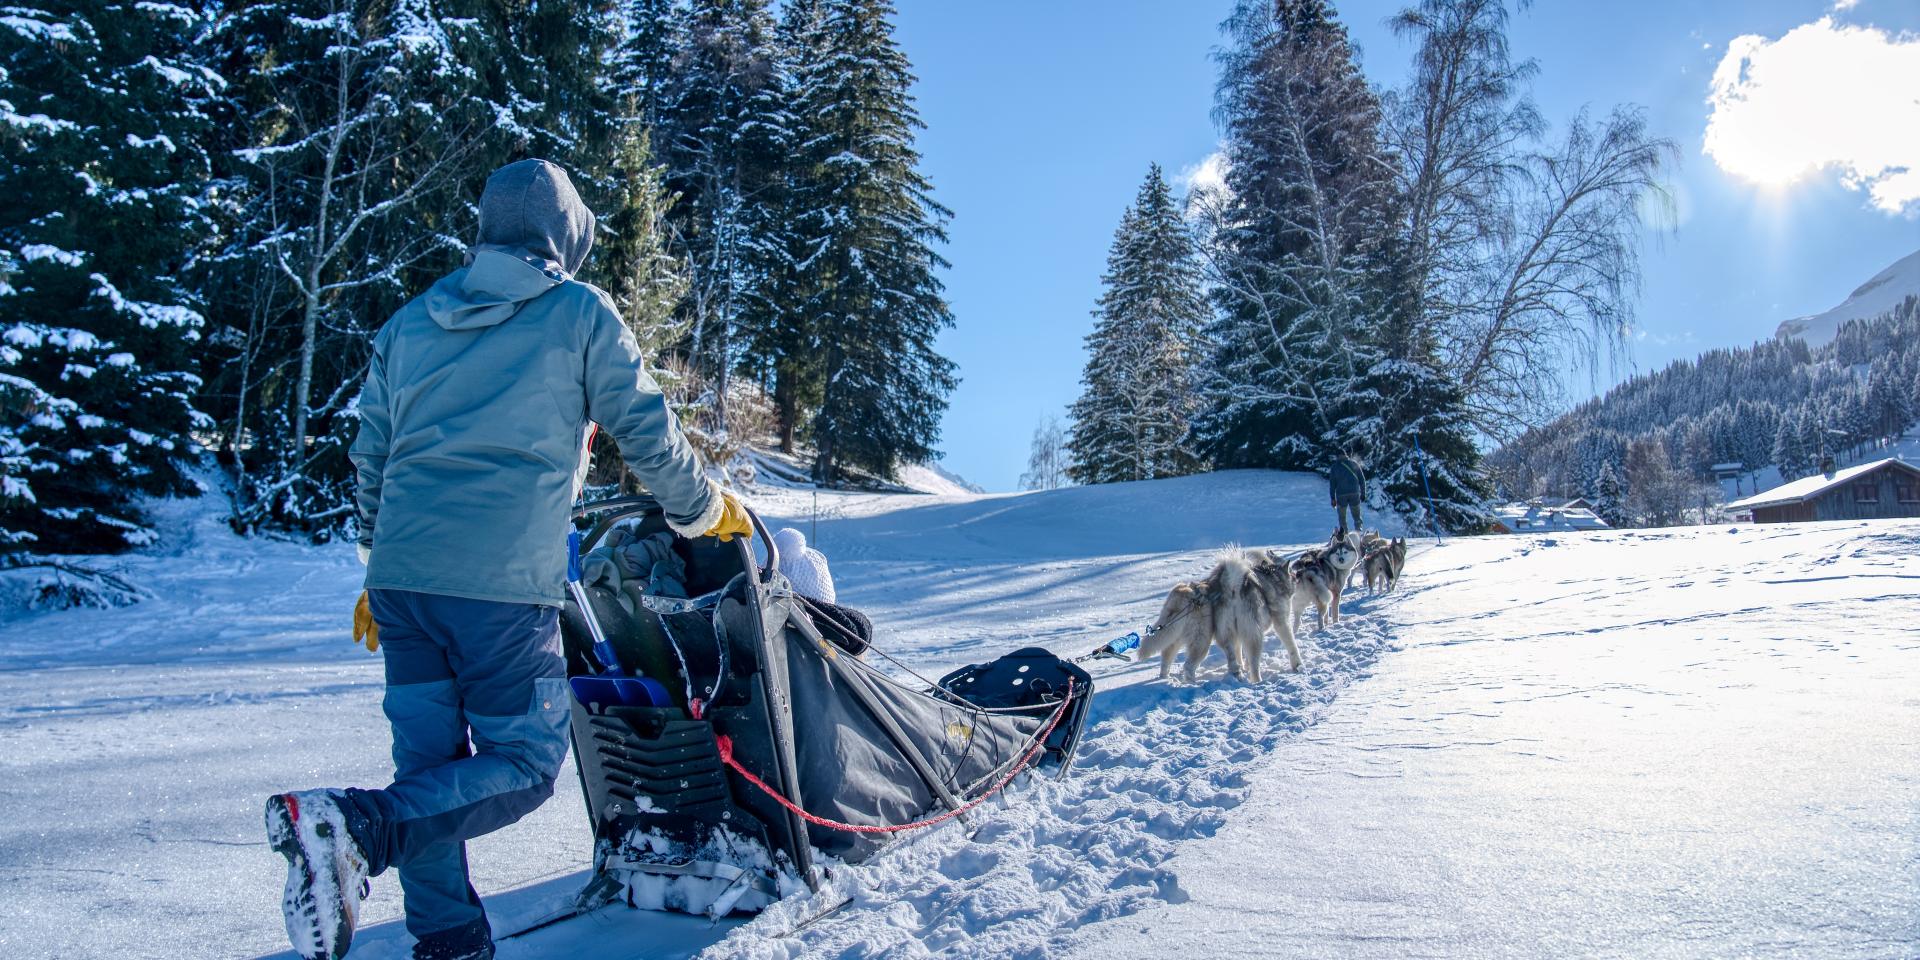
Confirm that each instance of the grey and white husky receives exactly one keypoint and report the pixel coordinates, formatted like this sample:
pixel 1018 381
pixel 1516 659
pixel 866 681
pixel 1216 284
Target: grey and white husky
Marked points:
pixel 1382 564
pixel 1246 592
pixel 1320 574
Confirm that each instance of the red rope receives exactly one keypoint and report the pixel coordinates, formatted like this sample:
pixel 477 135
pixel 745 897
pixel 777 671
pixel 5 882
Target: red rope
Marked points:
pixel 1040 742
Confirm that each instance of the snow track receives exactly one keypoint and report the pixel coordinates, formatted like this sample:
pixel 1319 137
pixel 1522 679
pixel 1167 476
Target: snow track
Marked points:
pixel 1163 764
pixel 1678 743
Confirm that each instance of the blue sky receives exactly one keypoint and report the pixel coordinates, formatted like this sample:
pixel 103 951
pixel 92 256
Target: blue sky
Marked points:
pixel 1043 116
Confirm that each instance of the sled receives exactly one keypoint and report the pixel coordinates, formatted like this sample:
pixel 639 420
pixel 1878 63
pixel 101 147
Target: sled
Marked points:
pixel 742 745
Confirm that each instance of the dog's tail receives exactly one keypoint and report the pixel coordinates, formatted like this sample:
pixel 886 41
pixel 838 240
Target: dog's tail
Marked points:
pixel 1232 567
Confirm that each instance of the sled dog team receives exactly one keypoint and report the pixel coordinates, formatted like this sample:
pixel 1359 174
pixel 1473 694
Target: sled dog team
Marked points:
pixel 1251 590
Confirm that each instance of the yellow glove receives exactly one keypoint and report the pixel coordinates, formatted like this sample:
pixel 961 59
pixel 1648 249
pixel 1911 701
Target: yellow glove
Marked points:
pixel 364 629
pixel 733 520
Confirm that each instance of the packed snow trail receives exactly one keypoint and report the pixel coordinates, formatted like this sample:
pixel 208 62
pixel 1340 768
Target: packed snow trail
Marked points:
pixel 1160 767
pixel 137 744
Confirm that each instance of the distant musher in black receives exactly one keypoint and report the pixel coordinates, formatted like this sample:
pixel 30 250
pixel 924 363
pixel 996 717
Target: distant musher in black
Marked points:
pixel 1346 487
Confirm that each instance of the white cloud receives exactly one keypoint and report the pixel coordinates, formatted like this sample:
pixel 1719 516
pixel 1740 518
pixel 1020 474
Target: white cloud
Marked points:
pixel 1206 176
pixel 1845 4
pixel 1825 96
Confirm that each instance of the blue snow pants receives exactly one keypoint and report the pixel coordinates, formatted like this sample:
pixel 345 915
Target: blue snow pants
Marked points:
pixel 477 696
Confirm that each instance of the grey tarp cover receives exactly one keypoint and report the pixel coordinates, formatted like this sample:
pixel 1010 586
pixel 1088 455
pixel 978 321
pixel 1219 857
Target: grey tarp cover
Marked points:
pixel 850 769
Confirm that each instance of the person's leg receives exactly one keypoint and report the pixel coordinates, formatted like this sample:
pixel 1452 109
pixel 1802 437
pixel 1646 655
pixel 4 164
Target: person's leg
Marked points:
pixel 1354 508
pixel 508 689
pixel 422 705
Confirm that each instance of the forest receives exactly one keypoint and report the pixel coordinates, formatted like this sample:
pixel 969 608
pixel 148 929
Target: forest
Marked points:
pixel 1643 451
pixel 209 209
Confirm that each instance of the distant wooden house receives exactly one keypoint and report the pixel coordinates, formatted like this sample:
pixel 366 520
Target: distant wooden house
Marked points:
pixel 1885 489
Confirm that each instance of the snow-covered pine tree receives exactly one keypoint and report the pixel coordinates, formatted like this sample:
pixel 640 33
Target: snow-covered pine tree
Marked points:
pixel 1131 420
pixel 358 138
pixel 101 112
pixel 1758 423
pixel 650 33
pixel 1412 427
pixel 644 278
pixel 1317 345
pixel 869 223
pixel 1609 497
pixel 1297 282
pixel 1889 409
pixel 1790 452
pixel 723 135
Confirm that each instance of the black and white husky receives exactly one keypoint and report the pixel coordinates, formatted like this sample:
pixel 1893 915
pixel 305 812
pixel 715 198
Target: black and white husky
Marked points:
pixel 1320 574
pixel 1246 592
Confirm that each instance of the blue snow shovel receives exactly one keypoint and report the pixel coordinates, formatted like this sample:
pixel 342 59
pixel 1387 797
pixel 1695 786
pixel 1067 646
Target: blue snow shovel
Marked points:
pixel 611 687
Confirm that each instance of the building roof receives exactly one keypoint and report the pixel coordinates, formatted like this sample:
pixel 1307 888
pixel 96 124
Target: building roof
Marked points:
pixel 1530 517
pixel 1807 488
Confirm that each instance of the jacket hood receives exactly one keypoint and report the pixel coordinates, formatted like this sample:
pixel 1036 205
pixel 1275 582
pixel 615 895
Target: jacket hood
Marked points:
pixel 530 207
pixel 493 286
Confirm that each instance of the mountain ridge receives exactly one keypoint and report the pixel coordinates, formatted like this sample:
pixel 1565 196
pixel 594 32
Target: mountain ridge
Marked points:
pixel 1881 293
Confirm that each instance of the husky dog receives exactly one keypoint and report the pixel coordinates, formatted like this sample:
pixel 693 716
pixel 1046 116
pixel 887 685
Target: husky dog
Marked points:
pixel 1383 563
pixel 1231 607
pixel 1274 579
pixel 1321 574
pixel 1185 624
pixel 1370 540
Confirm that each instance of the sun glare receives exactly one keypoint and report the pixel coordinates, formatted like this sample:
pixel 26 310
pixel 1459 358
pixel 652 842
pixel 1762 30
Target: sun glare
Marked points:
pixel 1824 96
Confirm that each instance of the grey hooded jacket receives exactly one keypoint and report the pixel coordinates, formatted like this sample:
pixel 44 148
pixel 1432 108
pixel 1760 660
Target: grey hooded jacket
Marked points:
pixel 475 409
pixel 1346 482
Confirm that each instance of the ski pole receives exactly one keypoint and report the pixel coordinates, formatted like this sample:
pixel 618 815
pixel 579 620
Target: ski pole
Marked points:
pixel 602 647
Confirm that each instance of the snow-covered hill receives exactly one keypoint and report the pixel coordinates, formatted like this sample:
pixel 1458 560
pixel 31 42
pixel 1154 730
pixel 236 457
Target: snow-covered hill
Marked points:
pixel 1685 742
pixel 1886 290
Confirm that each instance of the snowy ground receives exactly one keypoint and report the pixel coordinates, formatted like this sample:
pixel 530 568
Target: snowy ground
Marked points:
pixel 1699 742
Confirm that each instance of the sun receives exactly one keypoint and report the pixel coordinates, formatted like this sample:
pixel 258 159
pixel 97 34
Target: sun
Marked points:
pixel 1825 96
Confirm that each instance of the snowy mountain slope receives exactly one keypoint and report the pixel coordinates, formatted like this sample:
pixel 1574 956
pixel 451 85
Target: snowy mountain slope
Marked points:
pixel 780 470
pixel 1878 295
pixel 1691 723
pixel 931 477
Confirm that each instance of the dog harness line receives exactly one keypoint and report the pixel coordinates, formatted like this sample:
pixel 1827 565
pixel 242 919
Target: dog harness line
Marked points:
pixel 1039 742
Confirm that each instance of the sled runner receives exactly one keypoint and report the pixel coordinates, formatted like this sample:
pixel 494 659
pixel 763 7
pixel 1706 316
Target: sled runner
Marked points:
pixel 724 741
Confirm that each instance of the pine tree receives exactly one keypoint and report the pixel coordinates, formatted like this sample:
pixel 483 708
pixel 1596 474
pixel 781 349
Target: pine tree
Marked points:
pixel 1608 497
pixel 1787 452
pixel 650 34
pixel 644 279
pixel 359 136
pixel 1416 433
pixel 1298 280
pixel 869 225
pixel 101 206
pixel 1131 420
pixel 723 135
pixel 1888 407
pixel 1318 344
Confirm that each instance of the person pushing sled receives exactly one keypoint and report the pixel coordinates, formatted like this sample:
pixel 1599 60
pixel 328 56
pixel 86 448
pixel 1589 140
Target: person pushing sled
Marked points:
pixel 472 423
pixel 723 738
